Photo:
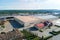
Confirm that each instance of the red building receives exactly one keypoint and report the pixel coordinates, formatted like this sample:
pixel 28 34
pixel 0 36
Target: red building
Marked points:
pixel 40 25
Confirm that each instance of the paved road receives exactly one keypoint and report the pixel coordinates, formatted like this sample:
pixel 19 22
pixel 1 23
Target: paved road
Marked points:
pixel 57 37
pixel 26 27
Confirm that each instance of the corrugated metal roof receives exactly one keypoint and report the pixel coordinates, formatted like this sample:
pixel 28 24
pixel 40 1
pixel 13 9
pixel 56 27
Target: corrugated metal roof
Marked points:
pixel 27 18
pixel 46 16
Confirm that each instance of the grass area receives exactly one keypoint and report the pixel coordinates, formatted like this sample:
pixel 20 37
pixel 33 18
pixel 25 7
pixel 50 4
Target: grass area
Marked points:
pixel 48 37
pixel 30 36
pixel 57 26
pixel 37 38
pixel 3 26
pixel 40 30
pixel 55 33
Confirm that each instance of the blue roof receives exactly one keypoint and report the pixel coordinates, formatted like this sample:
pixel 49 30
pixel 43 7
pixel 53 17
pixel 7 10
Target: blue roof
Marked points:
pixel 33 29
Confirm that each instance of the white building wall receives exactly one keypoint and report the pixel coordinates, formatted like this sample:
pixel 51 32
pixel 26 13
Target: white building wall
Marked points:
pixel 31 23
pixel 26 24
pixel 19 21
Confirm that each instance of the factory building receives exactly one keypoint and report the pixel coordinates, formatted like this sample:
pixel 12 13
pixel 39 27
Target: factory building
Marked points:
pixel 56 22
pixel 45 24
pixel 9 18
pixel 27 20
pixel 46 17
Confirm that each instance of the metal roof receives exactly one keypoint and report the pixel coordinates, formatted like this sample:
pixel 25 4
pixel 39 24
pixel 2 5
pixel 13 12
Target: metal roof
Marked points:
pixel 46 16
pixel 27 18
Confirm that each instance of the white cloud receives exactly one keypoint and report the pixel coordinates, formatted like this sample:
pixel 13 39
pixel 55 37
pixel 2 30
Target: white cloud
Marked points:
pixel 41 4
pixel 33 4
pixel 50 4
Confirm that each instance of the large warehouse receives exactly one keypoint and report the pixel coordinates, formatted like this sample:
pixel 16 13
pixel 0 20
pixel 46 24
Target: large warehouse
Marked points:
pixel 46 17
pixel 27 20
pixel 56 22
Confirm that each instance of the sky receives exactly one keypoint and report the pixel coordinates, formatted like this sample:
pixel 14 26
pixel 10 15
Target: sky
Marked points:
pixel 29 4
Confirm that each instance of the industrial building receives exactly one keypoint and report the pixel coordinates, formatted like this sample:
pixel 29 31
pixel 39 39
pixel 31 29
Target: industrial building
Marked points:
pixel 46 17
pixel 44 25
pixel 56 22
pixel 27 20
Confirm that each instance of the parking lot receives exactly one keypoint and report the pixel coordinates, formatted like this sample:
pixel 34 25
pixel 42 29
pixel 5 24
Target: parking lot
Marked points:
pixel 46 33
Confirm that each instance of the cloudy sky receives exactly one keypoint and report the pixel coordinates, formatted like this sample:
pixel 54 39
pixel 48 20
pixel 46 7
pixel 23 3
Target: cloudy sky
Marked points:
pixel 29 4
